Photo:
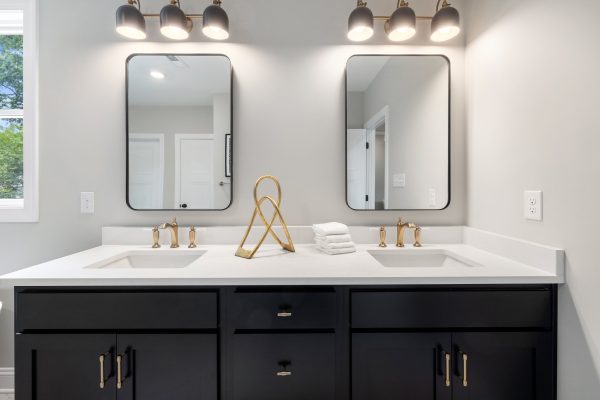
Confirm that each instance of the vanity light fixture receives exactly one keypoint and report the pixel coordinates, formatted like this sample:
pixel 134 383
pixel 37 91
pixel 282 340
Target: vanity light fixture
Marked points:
pixel 401 25
pixel 360 23
pixel 174 23
pixel 130 21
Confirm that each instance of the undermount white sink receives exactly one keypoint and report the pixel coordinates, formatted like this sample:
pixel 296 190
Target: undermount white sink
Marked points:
pixel 419 258
pixel 151 259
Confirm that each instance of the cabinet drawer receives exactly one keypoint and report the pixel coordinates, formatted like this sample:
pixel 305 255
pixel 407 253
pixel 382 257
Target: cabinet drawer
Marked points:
pixel 275 366
pixel 110 310
pixel 283 310
pixel 452 309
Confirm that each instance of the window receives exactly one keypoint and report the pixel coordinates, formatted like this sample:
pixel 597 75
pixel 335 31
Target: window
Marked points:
pixel 18 109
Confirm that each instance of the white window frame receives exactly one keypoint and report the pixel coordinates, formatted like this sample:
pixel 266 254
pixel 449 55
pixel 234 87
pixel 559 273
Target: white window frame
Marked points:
pixel 26 210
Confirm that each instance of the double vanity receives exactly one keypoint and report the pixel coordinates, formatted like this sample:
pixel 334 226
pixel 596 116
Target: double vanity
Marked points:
pixel 470 315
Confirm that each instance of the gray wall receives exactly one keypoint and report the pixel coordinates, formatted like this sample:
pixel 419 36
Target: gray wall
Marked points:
pixel 288 120
pixel 533 96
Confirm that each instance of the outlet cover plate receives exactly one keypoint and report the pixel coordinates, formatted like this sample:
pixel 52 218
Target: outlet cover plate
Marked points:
pixel 532 205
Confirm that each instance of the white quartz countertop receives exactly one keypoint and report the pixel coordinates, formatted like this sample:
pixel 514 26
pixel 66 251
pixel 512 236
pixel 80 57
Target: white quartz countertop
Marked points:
pixel 306 266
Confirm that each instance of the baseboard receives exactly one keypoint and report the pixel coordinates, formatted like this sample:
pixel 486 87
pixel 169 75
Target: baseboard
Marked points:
pixel 7 380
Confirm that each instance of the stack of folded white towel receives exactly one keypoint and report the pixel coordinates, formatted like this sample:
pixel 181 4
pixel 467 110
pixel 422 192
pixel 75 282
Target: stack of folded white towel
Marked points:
pixel 333 238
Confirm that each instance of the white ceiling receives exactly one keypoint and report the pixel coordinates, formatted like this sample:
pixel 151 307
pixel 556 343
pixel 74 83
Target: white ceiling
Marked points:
pixel 362 70
pixel 191 85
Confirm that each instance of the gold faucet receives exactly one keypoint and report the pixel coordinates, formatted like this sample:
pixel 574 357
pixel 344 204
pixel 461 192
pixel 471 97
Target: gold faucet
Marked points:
pixel 174 228
pixel 401 227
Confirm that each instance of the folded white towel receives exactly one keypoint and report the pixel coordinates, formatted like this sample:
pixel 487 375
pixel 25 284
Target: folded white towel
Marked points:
pixel 333 238
pixel 332 246
pixel 330 228
pixel 333 252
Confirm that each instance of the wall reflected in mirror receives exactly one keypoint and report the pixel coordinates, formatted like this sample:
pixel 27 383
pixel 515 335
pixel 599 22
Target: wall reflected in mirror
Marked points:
pixel 178 124
pixel 397 136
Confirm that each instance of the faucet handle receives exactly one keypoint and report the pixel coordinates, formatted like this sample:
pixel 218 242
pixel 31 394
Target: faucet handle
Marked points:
pixel 417 237
pixel 192 244
pixel 174 222
pixel 155 237
pixel 382 235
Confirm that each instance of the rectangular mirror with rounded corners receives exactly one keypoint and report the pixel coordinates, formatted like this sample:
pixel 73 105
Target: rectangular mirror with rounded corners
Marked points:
pixel 398 132
pixel 179 132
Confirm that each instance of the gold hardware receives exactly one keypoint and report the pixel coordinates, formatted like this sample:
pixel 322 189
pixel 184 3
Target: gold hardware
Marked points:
pixel 284 372
pixel 192 244
pixel 174 229
pixel 465 381
pixel 417 242
pixel 119 372
pixel 289 246
pixel 382 235
pixel 284 314
pixel 101 361
pixel 155 237
pixel 401 227
pixel 447 380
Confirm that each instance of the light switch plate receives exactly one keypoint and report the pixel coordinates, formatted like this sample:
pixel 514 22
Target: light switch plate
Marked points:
pixel 399 180
pixel 532 205
pixel 87 202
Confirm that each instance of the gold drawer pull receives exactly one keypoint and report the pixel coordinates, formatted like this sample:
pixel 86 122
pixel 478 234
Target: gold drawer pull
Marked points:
pixel 119 372
pixel 447 379
pixel 465 381
pixel 101 361
pixel 284 314
pixel 284 373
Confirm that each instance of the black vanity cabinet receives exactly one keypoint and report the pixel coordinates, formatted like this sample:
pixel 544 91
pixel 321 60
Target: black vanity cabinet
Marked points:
pixel 459 343
pixel 116 344
pixel 286 342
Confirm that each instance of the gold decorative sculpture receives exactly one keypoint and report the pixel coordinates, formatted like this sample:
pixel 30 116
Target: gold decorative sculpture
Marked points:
pixel 289 246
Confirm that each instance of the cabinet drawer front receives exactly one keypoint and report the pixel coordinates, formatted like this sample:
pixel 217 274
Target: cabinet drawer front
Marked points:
pixel 283 310
pixel 115 310
pixel 275 366
pixel 452 309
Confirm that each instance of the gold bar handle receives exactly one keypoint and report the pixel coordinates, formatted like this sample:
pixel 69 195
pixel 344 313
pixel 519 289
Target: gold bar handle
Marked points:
pixel 119 372
pixel 465 381
pixel 284 314
pixel 447 372
pixel 101 362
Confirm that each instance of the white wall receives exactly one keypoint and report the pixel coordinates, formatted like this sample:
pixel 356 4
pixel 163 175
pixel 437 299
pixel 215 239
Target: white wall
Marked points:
pixel 288 120
pixel 533 95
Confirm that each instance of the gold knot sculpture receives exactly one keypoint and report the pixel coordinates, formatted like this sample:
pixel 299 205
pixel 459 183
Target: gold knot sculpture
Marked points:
pixel 289 246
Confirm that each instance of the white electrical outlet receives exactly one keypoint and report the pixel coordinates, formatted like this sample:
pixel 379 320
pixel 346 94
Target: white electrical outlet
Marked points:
pixel 87 202
pixel 432 198
pixel 532 205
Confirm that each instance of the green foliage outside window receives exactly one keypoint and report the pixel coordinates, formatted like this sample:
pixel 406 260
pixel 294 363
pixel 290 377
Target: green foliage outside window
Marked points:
pixel 11 129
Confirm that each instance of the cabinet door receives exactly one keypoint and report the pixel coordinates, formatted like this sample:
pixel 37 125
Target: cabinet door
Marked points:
pixel 503 366
pixel 278 366
pixel 65 367
pixel 392 366
pixel 167 366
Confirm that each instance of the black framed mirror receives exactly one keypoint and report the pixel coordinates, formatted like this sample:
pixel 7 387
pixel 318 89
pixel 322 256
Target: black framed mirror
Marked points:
pixel 179 132
pixel 397 132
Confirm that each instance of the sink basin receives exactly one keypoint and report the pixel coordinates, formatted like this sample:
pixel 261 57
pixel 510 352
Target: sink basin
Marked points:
pixel 419 259
pixel 151 259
